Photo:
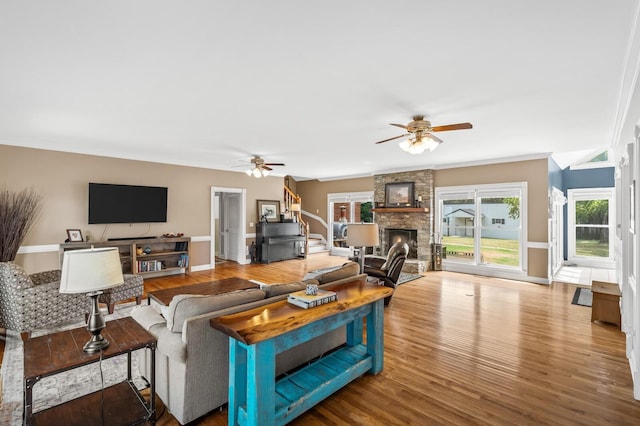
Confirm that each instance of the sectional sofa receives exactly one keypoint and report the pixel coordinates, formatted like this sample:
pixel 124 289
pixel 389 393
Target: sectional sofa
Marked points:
pixel 192 359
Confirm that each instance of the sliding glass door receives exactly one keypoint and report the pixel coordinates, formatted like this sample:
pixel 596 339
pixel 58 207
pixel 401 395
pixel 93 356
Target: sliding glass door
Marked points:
pixel 483 225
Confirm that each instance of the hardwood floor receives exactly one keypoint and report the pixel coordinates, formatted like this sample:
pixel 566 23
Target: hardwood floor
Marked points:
pixel 464 349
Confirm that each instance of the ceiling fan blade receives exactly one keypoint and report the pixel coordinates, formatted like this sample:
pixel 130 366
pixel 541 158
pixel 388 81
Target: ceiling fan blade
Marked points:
pixel 399 125
pixel 459 126
pixel 397 137
pixel 264 167
pixel 274 164
pixel 437 139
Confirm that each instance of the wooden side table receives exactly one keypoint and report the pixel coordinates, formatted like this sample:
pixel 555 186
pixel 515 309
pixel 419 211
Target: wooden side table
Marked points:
pixel 258 335
pixel 54 353
pixel 606 297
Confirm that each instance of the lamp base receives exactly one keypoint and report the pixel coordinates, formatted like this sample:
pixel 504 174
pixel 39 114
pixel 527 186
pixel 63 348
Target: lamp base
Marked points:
pixel 96 344
pixel 95 325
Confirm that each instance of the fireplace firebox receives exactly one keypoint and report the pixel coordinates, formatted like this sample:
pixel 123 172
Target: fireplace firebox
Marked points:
pixel 409 236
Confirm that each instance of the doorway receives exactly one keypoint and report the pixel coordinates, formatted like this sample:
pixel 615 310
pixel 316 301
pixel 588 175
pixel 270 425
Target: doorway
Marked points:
pixel 228 216
pixel 590 230
pixel 344 208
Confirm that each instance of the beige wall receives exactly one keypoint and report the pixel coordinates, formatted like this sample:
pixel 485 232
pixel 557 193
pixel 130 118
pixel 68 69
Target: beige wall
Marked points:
pixel 535 173
pixel 63 179
pixel 314 197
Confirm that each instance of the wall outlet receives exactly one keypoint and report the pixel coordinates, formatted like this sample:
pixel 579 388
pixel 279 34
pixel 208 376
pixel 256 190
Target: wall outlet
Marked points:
pixel 251 224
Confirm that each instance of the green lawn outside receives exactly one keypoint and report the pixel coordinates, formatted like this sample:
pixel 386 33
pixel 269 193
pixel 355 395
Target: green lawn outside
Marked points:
pixel 593 248
pixel 494 251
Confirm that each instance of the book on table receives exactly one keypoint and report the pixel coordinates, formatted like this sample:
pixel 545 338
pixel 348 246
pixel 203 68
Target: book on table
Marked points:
pixel 306 301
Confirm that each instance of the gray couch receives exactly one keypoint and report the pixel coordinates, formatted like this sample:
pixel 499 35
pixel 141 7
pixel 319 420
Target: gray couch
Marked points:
pixel 192 359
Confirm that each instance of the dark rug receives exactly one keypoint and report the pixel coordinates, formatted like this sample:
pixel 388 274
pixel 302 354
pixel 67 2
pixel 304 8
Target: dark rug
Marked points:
pixel 583 297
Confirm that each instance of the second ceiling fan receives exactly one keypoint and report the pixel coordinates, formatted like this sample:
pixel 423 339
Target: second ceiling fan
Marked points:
pixel 259 168
pixel 420 137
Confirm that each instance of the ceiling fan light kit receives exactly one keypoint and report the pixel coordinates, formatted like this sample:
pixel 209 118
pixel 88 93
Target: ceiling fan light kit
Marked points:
pixel 257 172
pixel 419 137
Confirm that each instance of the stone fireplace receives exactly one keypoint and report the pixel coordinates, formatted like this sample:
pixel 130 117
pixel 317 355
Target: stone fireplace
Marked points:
pixel 416 219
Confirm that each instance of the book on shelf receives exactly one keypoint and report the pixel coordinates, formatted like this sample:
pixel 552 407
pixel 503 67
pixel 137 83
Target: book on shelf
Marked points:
pixel 306 301
pixel 149 265
pixel 183 261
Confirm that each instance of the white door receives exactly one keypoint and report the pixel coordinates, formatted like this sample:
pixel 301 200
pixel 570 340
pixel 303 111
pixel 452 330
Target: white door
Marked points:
pixel 591 227
pixel 558 200
pixel 629 227
pixel 228 218
pixel 231 230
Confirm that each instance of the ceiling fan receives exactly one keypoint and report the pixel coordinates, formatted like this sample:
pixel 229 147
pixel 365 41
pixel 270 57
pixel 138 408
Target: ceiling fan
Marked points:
pixel 420 137
pixel 259 168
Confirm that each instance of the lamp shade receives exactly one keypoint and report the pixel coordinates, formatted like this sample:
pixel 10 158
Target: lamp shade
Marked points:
pixel 362 235
pixel 88 270
pixel 295 207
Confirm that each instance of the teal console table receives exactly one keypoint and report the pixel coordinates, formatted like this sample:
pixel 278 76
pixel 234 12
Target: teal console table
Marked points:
pixel 258 335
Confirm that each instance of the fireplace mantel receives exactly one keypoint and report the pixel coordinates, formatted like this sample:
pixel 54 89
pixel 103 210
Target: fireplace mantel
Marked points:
pixel 401 210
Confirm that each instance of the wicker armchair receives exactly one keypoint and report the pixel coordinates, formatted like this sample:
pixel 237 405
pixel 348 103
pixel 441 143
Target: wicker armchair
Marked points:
pixel 31 302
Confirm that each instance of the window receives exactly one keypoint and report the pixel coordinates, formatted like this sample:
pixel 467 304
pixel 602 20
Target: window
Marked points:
pixel 483 225
pixel 594 161
pixel 590 226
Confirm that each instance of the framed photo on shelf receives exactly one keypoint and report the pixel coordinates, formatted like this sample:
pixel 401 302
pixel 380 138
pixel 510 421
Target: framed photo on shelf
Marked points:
pixel 399 194
pixel 75 235
pixel 269 211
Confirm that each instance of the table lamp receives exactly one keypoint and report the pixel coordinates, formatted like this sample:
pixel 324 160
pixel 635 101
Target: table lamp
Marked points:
pixel 362 235
pixel 91 271
pixel 295 210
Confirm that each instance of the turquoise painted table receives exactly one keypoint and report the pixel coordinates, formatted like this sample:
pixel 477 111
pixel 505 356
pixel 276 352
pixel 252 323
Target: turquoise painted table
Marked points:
pixel 258 335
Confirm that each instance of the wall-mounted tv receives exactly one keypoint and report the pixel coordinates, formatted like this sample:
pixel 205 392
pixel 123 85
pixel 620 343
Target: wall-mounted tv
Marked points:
pixel 109 203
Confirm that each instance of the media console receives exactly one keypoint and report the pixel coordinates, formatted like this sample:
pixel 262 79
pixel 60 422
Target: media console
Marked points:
pixel 145 255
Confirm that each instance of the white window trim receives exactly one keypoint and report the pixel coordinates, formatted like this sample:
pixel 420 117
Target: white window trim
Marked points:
pixel 582 194
pixel 343 197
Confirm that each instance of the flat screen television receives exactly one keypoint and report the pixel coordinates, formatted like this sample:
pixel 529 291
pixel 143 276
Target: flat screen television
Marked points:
pixel 109 203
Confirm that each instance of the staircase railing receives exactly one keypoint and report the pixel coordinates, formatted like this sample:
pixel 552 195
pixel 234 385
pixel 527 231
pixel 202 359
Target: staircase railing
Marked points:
pixel 289 199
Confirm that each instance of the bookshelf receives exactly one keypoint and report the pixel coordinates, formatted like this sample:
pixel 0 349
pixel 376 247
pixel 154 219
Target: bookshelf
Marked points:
pixel 165 255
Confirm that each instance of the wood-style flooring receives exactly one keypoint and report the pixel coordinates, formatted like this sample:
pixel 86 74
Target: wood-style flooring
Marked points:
pixel 465 349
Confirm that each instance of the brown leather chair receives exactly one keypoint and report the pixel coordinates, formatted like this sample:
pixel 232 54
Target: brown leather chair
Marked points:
pixel 387 269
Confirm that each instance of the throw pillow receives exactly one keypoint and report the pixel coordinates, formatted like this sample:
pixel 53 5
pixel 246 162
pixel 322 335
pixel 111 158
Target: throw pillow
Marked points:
pixel 184 306
pixel 278 289
pixel 348 269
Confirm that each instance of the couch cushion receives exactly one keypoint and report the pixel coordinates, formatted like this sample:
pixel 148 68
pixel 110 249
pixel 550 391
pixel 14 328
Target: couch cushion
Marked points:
pixel 278 289
pixel 185 306
pixel 348 269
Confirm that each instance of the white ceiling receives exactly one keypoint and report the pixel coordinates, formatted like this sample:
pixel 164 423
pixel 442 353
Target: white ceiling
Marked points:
pixel 312 84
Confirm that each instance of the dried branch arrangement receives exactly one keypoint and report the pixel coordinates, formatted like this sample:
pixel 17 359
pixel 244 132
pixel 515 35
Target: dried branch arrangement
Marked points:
pixel 18 212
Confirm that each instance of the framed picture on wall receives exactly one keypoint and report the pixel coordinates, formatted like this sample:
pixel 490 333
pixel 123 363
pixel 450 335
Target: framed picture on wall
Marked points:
pixel 75 235
pixel 399 194
pixel 269 211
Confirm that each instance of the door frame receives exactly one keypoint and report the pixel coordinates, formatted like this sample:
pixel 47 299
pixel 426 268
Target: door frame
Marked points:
pixel 557 201
pixel 240 256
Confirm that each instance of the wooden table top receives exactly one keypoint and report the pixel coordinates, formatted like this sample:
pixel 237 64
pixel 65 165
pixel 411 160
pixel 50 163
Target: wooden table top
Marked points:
pixel 57 352
pixel 277 318
pixel 209 288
